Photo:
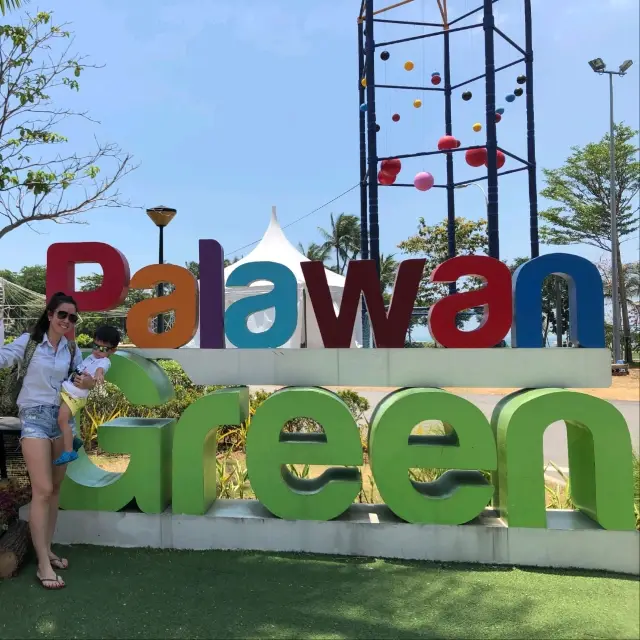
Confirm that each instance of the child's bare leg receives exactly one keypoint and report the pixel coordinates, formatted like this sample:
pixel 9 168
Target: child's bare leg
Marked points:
pixel 64 416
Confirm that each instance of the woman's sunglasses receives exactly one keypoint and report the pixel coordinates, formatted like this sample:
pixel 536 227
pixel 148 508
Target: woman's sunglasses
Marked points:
pixel 63 315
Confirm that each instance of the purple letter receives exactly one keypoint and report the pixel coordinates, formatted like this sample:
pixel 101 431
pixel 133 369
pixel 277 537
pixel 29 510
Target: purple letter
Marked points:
pixel 211 295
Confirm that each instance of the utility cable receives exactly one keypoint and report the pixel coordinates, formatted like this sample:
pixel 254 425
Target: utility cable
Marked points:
pixel 306 215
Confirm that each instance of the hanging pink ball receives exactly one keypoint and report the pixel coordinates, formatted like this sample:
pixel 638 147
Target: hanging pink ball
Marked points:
pixel 423 181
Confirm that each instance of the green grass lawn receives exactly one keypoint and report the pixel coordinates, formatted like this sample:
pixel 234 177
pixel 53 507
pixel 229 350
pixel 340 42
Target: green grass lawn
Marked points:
pixel 134 593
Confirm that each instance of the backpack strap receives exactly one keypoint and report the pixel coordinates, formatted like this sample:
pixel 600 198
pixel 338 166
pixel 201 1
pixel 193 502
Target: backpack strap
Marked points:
pixel 29 350
pixel 72 350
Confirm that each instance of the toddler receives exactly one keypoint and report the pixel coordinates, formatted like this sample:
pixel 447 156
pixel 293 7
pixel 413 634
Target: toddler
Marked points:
pixel 73 399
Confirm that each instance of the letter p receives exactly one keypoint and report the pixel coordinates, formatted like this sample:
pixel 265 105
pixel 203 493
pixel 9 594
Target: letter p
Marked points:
pixel 62 258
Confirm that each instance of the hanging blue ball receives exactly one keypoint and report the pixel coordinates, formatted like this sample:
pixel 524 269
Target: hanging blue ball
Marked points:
pixel 510 98
pixel 435 73
pixel 363 106
pixel 500 110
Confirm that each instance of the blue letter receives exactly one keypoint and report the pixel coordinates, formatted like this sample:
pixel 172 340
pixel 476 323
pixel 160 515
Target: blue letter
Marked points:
pixel 283 296
pixel 586 300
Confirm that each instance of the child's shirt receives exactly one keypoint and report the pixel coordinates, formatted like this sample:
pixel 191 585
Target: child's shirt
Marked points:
pixel 89 365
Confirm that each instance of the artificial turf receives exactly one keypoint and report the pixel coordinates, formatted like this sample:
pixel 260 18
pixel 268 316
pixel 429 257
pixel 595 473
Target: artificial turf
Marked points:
pixel 142 593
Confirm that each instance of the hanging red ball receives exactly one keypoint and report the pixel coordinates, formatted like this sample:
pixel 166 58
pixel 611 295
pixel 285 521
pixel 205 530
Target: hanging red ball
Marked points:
pixel 395 117
pixel 500 159
pixel 392 166
pixel 446 143
pixel 476 157
pixel 436 80
pixel 498 117
pixel 385 178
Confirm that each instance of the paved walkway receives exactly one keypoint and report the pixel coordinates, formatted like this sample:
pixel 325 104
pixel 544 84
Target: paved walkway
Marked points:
pixel 555 437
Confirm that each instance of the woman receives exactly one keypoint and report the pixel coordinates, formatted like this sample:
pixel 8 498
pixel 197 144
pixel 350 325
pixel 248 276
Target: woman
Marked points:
pixel 38 404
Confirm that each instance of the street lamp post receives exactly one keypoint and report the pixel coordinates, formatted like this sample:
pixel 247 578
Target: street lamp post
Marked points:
pixel 600 67
pixel 161 217
pixel 475 184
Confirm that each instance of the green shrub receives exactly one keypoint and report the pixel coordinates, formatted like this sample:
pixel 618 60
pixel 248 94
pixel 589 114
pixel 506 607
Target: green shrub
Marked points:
pixel 84 340
pixel 108 403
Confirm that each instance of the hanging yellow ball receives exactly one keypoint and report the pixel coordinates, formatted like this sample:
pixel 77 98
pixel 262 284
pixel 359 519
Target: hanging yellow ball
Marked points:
pixel 417 103
pixel 363 82
pixel 477 127
pixel 408 65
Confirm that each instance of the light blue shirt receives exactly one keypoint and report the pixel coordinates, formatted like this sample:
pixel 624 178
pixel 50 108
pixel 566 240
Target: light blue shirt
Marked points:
pixel 47 370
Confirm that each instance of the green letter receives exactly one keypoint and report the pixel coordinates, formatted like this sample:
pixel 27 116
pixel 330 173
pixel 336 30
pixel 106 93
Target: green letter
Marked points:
pixel 269 450
pixel 147 479
pixel 458 496
pixel 600 457
pixel 195 445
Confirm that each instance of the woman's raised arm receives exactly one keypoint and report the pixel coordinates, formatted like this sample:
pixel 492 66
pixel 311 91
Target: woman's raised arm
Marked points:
pixel 14 351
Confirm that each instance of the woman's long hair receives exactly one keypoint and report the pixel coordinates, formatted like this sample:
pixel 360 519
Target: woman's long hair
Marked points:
pixel 42 326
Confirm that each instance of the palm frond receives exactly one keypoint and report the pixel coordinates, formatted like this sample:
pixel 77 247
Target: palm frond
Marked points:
pixel 10 5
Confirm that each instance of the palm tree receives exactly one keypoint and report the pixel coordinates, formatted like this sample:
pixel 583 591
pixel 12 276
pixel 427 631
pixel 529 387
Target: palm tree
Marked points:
pixel 343 238
pixel 10 5
pixel 388 270
pixel 315 252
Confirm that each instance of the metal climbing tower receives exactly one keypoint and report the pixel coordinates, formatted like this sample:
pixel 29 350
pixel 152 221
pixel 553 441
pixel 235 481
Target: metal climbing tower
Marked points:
pixel 368 17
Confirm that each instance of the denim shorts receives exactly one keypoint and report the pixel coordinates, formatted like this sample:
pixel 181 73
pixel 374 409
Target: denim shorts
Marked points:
pixel 42 422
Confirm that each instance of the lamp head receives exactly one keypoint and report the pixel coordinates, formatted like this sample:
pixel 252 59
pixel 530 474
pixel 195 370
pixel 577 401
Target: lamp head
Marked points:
pixel 161 216
pixel 598 65
pixel 624 67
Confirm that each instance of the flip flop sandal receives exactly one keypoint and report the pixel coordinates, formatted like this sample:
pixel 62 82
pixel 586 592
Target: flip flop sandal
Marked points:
pixel 57 582
pixel 59 563
pixel 65 458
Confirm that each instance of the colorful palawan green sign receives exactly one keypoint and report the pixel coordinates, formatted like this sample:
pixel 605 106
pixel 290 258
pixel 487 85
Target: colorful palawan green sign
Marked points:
pixel 173 463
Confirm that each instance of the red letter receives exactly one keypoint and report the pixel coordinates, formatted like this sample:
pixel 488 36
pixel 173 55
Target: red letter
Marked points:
pixel 62 258
pixel 388 331
pixel 496 294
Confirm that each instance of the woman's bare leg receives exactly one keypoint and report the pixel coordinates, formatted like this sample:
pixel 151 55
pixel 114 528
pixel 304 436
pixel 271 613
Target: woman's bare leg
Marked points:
pixel 37 455
pixel 57 476
pixel 64 416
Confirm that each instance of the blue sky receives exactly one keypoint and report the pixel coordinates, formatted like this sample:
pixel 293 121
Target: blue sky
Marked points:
pixel 232 106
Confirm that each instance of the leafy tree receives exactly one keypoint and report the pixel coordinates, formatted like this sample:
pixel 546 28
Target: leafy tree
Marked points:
pixel 431 243
pixel 39 179
pixel 91 321
pixel 194 266
pixel 33 278
pixel 315 251
pixel 630 275
pixel 581 189
pixel 343 238
pixel 549 306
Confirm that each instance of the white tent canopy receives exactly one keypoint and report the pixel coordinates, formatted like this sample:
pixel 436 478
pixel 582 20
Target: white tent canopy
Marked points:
pixel 275 247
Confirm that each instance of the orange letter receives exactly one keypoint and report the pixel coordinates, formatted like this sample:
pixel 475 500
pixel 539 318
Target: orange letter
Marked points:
pixel 183 301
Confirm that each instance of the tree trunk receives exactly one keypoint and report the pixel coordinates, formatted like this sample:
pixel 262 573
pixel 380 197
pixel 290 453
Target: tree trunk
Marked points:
pixel 338 258
pixel 626 327
pixel 14 545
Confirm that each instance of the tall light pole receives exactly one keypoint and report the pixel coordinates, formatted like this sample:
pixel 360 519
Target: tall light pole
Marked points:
pixel 474 184
pixel 161 217
pixel 600 67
